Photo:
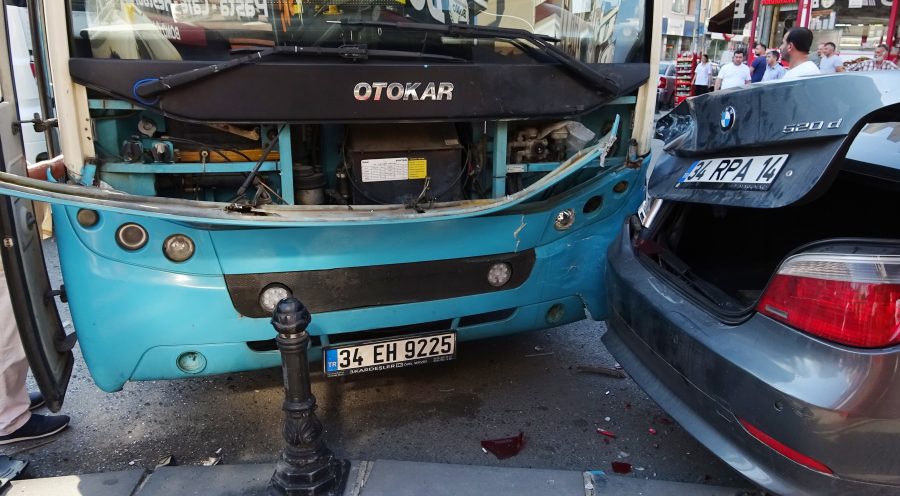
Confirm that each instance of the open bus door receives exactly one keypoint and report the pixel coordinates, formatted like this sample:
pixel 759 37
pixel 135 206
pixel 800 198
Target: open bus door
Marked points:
pixel 48 348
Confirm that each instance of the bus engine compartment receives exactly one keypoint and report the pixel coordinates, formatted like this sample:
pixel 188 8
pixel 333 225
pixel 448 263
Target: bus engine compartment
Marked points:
pixel 413 164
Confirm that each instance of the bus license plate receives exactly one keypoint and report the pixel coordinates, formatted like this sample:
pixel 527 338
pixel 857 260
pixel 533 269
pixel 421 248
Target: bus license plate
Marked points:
pixel 387 354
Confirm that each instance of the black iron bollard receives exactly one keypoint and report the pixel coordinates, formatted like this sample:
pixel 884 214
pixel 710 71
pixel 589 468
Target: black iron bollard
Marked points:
pixel 306 466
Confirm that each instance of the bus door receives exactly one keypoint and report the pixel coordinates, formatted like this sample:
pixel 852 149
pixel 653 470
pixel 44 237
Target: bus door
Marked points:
pixel 48 347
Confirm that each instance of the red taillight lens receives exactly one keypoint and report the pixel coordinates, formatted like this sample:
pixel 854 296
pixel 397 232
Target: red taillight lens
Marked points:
pixel 784 449
pixel 849 299
pixel 662 82
pixel 33 74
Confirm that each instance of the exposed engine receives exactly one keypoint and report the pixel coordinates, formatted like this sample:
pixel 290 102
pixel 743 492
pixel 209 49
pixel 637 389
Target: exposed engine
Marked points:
pixel 415 165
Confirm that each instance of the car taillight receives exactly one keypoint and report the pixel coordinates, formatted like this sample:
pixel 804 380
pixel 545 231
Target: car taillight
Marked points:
pixel 662 82
pixel 849 299
pixel 784 449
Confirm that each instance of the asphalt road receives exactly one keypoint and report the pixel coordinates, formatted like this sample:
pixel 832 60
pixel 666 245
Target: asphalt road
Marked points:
pixel 435 413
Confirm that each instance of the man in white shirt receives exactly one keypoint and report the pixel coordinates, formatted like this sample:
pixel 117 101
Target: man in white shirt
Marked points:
pixel 830 62
pixel 774 70
pixel 734 74
pixel 795 50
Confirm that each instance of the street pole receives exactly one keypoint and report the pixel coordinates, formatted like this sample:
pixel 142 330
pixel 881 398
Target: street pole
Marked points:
pixel 306 466
pixel 695 41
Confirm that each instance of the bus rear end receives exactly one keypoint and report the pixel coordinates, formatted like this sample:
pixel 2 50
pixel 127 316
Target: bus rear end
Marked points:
pixel 417 173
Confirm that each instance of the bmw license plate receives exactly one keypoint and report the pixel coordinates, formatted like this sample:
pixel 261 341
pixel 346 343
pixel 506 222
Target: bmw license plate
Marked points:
pixel 391 353
pixel 756 173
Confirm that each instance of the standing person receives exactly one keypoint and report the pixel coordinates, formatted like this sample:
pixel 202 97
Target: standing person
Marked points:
pixel 817 57
pixel 17 423
pixel 795 50
pixel 831 62
pixel 734 74
pixel 726 55
pixel 879 63
pixel 774 70
pixel 758 66
pixel 702 76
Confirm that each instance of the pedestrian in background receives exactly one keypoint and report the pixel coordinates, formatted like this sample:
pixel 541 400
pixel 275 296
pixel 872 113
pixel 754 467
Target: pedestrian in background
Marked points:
pixel 702 76
pixel 815 58
pixel 795 50
pixel 879 63
pixel 774 70
pixel 758 66
pixel 831 62
pixel 734 74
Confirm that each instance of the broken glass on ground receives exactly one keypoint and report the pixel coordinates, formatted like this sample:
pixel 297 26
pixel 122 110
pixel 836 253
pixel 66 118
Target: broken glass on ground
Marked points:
pixel 621 467
pixel 504 448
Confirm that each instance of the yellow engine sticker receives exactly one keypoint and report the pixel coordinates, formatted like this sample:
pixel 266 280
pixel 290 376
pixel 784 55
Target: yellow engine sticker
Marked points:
pixel 418 168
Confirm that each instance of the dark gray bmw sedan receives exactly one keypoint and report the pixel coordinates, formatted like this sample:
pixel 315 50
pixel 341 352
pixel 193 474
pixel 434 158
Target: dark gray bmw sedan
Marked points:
pixel 756 295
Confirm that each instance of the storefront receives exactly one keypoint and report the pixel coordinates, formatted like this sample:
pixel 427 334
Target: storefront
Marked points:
pixel 856 27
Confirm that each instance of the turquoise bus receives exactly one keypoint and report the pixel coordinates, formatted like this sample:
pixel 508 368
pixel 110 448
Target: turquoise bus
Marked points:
pixel 417 172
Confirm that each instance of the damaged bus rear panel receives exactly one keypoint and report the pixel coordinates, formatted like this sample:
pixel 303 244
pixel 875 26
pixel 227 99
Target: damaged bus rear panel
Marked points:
pixel 413 172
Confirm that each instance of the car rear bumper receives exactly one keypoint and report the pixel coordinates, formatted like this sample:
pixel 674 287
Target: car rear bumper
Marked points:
pixel 815 398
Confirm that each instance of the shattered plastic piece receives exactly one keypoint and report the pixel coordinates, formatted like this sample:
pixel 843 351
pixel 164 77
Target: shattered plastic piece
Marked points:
pixel 539 354
pixel 598 476
pixel 537 348
pixel 622 454
pixel 606 433
pixel 652 431
pixel 607 419
pixel 617 374
pixel 593 480
pixel 166 461
pixel 505 447
pixel 485 451
pixel 621 467
pixel 639 469
pixel 10 468
pixel 213 460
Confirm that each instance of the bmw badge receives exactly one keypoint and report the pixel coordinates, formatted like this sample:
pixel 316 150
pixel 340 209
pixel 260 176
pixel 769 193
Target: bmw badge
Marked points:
pixel 727 118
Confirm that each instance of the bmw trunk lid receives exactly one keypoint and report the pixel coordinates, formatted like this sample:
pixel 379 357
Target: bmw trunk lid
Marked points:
pixel 767 145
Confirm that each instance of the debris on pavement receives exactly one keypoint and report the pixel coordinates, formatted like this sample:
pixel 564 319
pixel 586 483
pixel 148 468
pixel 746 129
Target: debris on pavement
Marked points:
pixel 652 431
pixel 593 480
pixel 539 354
pixel 213 460
pixel 621 467
pixel 10 468
pixel 166 461
pixel 617 374
pixel 606 433
pixel 506 447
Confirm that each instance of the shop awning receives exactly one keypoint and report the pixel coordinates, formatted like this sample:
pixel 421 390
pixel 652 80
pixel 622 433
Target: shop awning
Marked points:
pixel 722 21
